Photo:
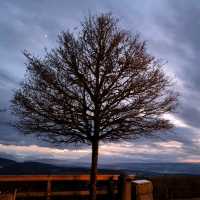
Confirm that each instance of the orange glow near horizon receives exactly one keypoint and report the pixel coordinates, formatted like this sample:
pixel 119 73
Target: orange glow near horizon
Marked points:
pixel 126 151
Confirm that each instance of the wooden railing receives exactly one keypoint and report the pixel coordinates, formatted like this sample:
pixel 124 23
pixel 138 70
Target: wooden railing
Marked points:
pixel 11 178
pixel 49 180
pixel 113 187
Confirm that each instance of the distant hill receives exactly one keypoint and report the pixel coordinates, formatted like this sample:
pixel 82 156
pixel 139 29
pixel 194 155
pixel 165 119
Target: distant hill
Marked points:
pixel 157 168
pixel 11 167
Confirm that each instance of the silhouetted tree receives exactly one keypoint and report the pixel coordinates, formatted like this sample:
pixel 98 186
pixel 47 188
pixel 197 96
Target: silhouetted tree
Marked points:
pixel 97 85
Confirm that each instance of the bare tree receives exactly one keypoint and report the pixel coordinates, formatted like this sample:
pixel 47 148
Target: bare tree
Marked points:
pixel 97 85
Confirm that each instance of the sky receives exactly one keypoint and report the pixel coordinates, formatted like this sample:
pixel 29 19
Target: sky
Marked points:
pixel 171 29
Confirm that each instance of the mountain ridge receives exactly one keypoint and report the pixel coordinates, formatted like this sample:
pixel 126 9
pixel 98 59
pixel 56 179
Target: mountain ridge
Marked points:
pixel 11 167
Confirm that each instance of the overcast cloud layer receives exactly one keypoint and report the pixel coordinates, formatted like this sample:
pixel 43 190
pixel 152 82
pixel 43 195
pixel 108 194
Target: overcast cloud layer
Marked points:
pixel 172 30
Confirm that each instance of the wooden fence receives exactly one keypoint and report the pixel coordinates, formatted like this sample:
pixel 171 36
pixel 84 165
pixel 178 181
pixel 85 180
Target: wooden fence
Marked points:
pixel 53 187
pixel 23 185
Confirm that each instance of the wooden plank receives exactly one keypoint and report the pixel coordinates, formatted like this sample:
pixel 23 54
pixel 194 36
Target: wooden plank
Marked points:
pixel 12 178
pixel 63 193
pixel 31 194
pixel 48 190
pixel 6 197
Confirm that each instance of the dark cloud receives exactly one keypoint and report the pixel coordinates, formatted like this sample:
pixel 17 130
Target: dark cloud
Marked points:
pixel 181 25
pixel 6 78
pixel 171 29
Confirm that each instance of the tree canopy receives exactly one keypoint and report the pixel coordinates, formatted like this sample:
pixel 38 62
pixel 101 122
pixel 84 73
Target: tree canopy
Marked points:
pixel 98 85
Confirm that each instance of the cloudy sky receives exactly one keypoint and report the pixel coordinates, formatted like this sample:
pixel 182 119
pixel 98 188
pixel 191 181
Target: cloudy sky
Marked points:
pixel 171 29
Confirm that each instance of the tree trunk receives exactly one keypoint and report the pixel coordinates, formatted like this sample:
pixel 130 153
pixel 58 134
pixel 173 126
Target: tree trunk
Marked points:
pixel 93 170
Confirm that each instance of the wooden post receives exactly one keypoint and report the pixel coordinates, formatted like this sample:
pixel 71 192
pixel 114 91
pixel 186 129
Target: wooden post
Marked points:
pixel 48 190
pixel 125 187
pixel 142 190
pixel 14 195
pixel 111 189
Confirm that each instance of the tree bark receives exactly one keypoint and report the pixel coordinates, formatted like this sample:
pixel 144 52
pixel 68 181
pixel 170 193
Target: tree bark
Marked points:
pixel 93 170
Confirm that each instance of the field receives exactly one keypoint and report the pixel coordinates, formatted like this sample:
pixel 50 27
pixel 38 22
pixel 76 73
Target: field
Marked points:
pixel 176 187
